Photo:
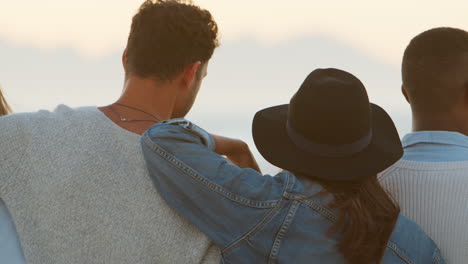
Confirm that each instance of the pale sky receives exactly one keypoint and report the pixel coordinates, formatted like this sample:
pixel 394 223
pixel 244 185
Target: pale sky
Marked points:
pixel 97 28
pixel 56 51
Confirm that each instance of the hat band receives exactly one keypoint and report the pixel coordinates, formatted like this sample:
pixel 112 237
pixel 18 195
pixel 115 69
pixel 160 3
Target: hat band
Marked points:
pixel 325 150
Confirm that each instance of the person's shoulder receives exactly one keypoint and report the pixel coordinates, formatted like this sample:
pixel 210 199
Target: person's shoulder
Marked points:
pixel 67 112
pixel 15 123
pixel 400 171
pixel 405 170
pixel 60 110
pixel 406 228
pixel 409 241
pixel 390 170
pixel 42 120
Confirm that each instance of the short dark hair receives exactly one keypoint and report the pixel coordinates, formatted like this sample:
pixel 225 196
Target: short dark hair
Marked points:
pixel 429 62
pixel 168 35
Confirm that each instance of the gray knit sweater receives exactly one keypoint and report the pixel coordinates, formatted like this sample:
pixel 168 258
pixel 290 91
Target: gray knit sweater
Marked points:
pixel 78 190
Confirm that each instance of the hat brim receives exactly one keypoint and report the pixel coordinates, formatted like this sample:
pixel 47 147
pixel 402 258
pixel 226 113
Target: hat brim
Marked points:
pixel 271 138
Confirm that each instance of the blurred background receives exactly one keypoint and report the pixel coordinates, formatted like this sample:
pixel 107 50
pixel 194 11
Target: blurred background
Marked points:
pixel 69 52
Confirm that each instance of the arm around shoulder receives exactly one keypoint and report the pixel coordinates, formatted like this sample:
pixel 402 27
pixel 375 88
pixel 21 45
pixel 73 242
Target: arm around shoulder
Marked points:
pixel 221 199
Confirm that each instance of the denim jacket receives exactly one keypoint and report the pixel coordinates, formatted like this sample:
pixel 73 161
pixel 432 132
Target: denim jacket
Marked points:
pixel 255 218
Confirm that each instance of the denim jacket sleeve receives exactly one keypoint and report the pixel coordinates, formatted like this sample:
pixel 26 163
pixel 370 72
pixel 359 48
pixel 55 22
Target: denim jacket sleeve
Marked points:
pixel 222 200
pixel 10 248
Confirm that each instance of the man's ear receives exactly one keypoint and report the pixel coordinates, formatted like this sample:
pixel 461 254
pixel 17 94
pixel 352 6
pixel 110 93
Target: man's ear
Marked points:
pixel 190 73
pixel 405 94
pixel 124 59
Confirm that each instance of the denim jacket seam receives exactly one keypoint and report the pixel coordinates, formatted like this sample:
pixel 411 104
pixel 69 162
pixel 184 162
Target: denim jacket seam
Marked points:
pixel 321 210
pixel 401 254
pixel 314 206
pixel 212 186
pixel 270 215
pixel 283 230
pixel 289 184
pixel 192 128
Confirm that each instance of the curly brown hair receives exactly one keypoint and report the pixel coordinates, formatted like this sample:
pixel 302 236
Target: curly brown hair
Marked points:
pixel 168 35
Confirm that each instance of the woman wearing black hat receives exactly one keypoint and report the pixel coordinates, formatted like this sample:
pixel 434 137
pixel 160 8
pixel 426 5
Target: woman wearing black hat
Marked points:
pixel 325 207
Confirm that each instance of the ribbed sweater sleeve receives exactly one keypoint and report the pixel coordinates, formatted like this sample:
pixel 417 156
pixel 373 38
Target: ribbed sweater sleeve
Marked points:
pixel 434 195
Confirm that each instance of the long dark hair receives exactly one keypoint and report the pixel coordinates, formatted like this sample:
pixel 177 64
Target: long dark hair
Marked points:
pixel 5 109
pixel 366 221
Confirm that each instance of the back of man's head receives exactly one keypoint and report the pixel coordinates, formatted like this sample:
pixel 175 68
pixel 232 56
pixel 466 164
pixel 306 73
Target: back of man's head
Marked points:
pixel 168 35
pixel 435 70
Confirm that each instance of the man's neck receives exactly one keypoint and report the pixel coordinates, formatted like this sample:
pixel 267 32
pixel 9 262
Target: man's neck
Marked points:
pixel 440 122
pixel 154 101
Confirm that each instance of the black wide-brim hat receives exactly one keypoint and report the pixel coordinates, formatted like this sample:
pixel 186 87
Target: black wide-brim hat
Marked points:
pixel 329 130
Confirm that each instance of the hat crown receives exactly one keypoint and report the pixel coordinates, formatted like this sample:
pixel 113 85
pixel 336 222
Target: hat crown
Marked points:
pixel 331 107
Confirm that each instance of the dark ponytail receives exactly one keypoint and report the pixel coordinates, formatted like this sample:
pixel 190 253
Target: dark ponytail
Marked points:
pixel 367 218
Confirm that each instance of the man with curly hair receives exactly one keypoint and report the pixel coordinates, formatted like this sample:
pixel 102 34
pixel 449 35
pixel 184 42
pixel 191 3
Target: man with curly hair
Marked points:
pixel 75 181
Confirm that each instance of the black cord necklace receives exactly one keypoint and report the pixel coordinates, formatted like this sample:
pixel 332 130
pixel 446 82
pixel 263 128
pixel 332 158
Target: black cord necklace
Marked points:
pixel 123 119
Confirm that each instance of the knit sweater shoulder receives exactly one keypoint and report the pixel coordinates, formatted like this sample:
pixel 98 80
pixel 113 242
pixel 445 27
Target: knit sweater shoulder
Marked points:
pixel 434 195
pixel 78 191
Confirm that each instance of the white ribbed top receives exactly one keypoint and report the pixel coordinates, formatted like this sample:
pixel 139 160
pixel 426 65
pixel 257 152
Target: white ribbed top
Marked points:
pixel 435 195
